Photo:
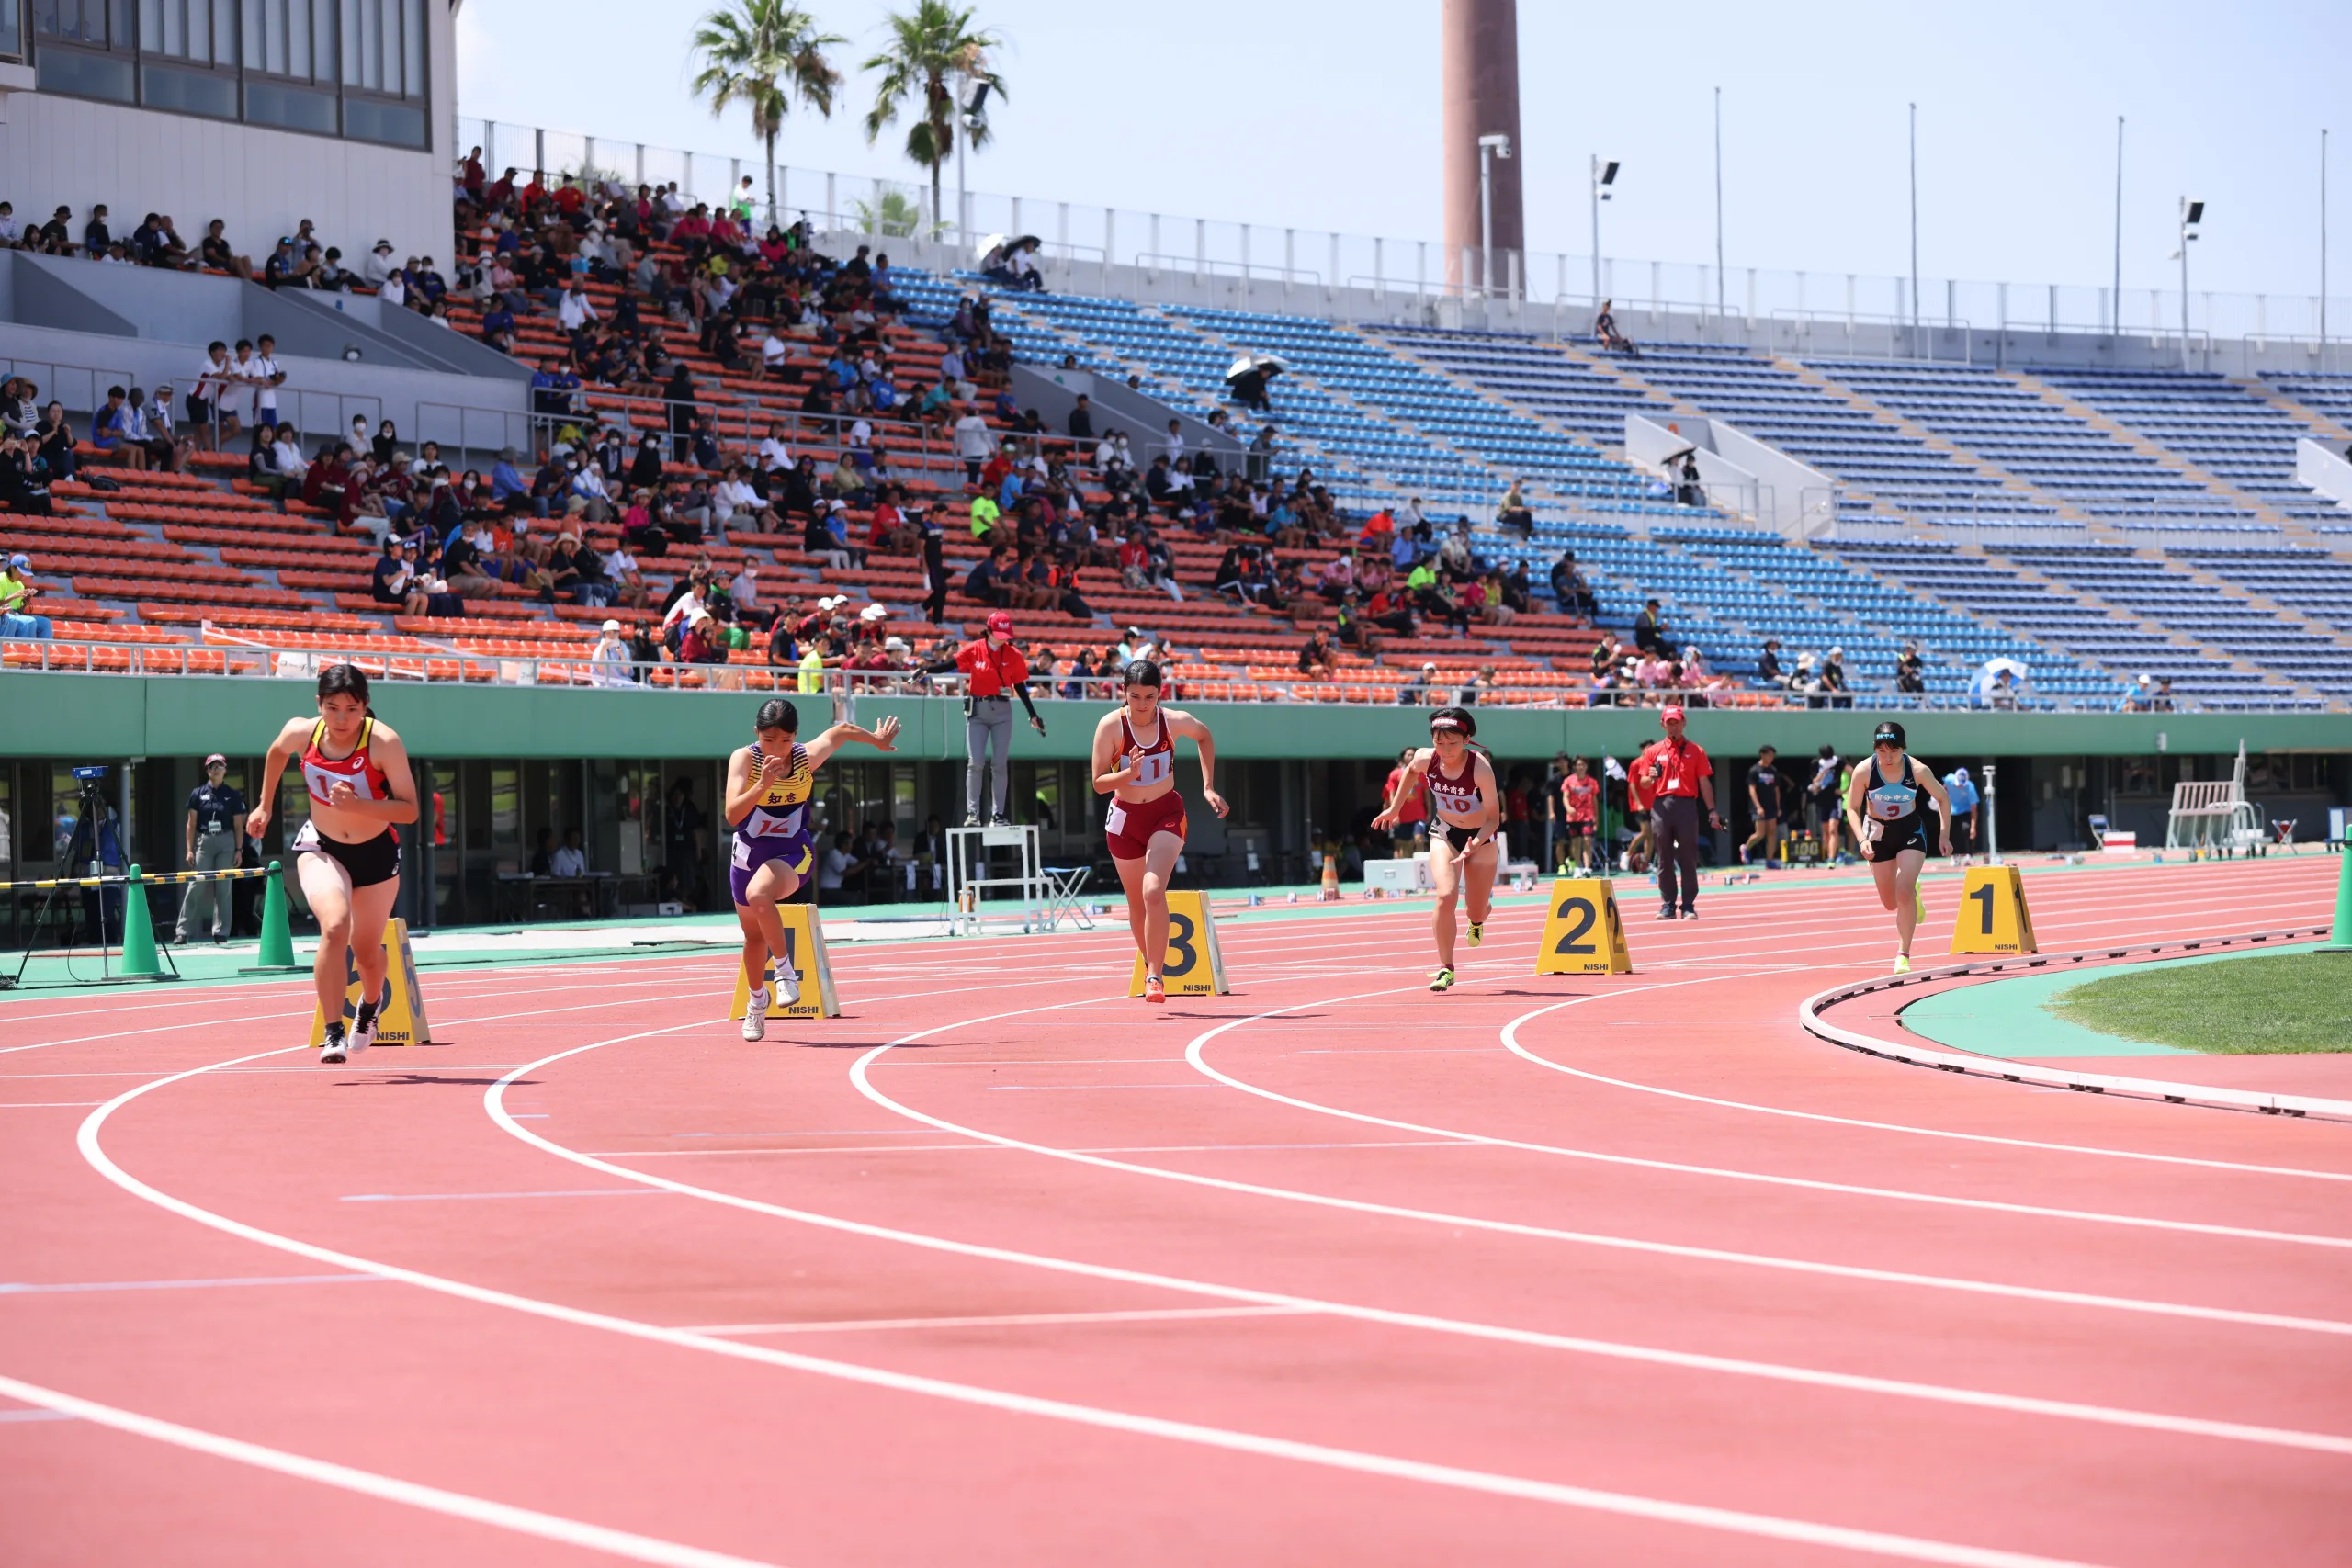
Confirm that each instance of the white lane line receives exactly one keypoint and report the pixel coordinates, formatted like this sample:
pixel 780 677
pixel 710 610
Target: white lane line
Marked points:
pixel 1512 1043
pixel 2190 1426
pixel 1626 1504
pixel 47 1104
pixel 11 1418
pixel 1005 1320
pixel 368 1483
pixel 858 1075
pixel 1001 1148
pixel 480 1197
pixel 78 1287
pixel 1195 1052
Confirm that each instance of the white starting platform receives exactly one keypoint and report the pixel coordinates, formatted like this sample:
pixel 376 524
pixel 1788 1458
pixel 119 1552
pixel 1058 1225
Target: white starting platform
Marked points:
pixel 1030 896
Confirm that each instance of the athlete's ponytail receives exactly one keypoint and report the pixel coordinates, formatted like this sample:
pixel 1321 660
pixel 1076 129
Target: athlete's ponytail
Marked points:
pixel 345 680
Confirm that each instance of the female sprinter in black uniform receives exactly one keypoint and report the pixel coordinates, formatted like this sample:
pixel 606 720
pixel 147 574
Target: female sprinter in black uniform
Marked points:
pixel 1467 812
pixel 1883 808
pixel 347 856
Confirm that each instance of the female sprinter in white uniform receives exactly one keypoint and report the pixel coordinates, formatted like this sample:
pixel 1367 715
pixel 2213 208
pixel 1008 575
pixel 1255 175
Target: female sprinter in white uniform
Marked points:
pixel 1883 808
pixel 1135 763
pixel 347 856
pixel 768 786
pixel 1467 807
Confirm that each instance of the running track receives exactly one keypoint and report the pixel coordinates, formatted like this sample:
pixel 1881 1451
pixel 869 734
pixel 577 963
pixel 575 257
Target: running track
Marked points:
pixel 1000 1268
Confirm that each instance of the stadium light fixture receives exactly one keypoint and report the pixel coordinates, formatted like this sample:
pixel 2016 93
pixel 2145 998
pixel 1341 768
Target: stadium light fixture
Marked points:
pixel 1604 175
pixel 973 117
pixel 1489 147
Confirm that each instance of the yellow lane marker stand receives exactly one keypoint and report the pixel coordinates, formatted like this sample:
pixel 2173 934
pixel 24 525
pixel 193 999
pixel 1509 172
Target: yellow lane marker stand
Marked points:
pixel 1992 915
pixel 804 949
pixel 1582 931
pixel 400 1011
pixel 1193 966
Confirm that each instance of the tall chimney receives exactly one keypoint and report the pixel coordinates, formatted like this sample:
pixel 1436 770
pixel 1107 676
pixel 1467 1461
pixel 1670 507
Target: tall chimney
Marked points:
pixel 1479 59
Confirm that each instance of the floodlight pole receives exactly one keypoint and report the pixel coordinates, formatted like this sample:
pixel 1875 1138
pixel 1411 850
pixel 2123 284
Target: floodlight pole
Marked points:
pixel 1719 204
pixel 2323 248
pixel 1489 147
pixel 1595 239
pixel 2184 283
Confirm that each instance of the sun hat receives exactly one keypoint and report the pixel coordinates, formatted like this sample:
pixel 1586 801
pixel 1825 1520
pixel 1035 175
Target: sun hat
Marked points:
pixel 1672 714
pixel 610 627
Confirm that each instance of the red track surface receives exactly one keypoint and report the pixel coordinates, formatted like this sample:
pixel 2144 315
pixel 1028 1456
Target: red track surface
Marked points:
pixel 1388 1288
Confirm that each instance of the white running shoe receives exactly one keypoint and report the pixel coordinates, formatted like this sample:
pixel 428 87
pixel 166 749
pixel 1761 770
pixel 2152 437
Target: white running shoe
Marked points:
pixel 756 1015
pixel 363 1032
pixel 336 1051
pixel 787 984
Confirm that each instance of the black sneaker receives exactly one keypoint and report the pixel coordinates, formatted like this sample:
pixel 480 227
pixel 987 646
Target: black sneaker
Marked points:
pixel 336 1050
pixel 1667 913
pixel 1690 914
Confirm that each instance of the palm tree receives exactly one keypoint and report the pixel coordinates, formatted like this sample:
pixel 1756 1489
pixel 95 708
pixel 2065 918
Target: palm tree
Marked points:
pixel 933 50
pixel 763 54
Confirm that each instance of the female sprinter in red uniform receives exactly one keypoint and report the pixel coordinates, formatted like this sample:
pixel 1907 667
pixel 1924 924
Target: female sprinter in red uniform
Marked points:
pixel 768 786
pixel 1135 763
pixel 1467 808
pixel 347 856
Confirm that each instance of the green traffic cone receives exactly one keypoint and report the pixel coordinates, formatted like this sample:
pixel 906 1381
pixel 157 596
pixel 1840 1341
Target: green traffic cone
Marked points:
pixel 2340 941
pixel 139 956
pixel 276 954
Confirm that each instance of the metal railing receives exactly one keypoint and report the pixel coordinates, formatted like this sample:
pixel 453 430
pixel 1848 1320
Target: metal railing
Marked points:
pixel 236 656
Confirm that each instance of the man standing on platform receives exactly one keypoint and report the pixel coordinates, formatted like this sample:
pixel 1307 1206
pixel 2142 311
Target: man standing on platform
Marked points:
pixel 994 673
pixel 216 816
pixel 1680 777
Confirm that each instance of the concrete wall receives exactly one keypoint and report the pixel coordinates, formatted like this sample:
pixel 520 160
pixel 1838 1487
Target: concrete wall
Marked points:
pixel 2324 469
pixel 73 152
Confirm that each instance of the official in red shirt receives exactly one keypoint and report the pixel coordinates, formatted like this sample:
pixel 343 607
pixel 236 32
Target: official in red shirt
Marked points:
pixel 994 673
pixel 1412 817
pixel 1678 777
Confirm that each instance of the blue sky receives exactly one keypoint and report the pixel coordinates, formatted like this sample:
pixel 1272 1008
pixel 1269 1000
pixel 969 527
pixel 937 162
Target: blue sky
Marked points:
pixel 1325 117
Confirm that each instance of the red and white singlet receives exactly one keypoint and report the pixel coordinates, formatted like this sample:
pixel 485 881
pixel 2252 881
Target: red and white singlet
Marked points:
pixel 1458 796
pixel 322 773
pixel 1157 763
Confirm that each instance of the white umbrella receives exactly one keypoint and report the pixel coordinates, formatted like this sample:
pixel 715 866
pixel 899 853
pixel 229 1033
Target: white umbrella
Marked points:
pixel 989 246
pixel 1266 363
pixel 1993 668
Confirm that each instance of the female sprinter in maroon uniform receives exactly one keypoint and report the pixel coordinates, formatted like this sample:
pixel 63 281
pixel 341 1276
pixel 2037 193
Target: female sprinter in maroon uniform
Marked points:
pixel 1467 807
pixel 1135 763
pixel 347 856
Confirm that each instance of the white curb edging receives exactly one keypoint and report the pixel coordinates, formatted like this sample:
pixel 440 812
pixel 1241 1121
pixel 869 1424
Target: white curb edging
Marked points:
pixel 1809 1017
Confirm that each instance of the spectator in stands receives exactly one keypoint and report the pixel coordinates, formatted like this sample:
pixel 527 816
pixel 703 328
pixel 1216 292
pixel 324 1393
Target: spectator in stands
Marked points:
pixel 95 238
pixel 1649 630
pixel 1080 424
pixel 55 237
pixel 11 238
pixel 55 439
pixel 1834 689
pixel 744 589
pixel 24 478
pixel 1604 327
pixel 1513 514
pixel 1910 671
pixel 2164 701
pixel 279 468
pixel 332 274
pixel 17 591
pixel 1767 664
pixel 217 256
pixel 974 443
pixel 678 397
pixel 379 268
pixel 109 431
pixel 396 579
pixel 1570 592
